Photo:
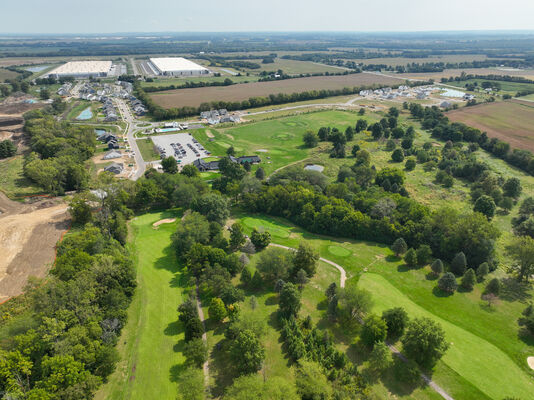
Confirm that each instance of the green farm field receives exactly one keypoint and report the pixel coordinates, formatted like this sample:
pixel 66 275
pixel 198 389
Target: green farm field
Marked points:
pixel 506 87
pixel 182 81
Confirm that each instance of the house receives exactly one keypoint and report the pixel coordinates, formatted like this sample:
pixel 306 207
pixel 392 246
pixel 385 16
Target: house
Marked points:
pixel 111 117
pixel 249 159
pixel 106 137
pixel 114 168
pixel 112 154
pixel 112 144
pixel 203 166
pixel 445 104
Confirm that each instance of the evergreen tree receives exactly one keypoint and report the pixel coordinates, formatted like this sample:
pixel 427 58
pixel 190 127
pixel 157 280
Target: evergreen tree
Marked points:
pixel 469 279
pixel 410 258
pixel 459 264
pixel 399 247
pixel 437 267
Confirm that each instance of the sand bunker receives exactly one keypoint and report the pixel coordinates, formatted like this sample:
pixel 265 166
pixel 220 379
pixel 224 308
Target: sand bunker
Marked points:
pixel 262 151
pixel 530 362
pixel 209 134
pixel 164 221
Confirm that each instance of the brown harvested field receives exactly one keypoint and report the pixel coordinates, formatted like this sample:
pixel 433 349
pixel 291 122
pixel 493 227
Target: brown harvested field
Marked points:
pixel 511 121
pixel 28 235
pixel 239 92
pixel 525 73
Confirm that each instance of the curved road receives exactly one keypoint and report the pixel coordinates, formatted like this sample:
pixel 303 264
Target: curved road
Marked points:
pixel 394 350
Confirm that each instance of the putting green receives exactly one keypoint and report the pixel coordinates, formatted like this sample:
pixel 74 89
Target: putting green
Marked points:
pixel 264 225
pixel 282 136
pixel 339 251
pixel 472 357
pixel 295 123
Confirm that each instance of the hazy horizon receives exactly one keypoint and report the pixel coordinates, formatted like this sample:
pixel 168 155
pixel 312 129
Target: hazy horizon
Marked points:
pixel 166 16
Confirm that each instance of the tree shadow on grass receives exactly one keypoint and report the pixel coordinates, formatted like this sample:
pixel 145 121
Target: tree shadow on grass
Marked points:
pixel 525 336
pixel 440 293
pixel 512 290
pixel 221 368
pixel 175 328
pixel 168 261
pixel 358 353
pixel 322 305
pixel 176 371
pixel 431 276
pixel 399 387
pixel 271 300
pixel 392 258
pixel 404 268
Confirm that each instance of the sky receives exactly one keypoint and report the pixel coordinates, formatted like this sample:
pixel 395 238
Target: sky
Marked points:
pixel 110 16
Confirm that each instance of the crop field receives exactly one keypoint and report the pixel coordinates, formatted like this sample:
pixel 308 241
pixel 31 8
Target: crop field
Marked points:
pixel 194 97
pixel 506 87
pixel 393 61
pixel 182 81
pixel 447 73
pixel 295 67
pixel 511 121
pixel 7 74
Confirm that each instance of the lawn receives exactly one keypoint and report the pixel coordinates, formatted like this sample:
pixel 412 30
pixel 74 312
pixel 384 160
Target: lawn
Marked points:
pixel 469 323
pixel 152 339
pixel 278 141
pixel 146 147
pixel 12 180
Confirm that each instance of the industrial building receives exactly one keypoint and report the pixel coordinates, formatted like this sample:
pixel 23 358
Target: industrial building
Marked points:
pixel 82 69
pixel 177 66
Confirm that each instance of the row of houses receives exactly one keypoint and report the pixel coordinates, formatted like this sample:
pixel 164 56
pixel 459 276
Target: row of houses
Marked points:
pixel 65 89
pixel 221 116
pixel 110 139
pixel 109 110
pixel 203 166
pixel 137 106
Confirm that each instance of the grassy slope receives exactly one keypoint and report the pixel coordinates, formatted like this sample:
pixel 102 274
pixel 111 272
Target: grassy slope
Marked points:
pixel 12 180
pixel 464 314
pixel 151 340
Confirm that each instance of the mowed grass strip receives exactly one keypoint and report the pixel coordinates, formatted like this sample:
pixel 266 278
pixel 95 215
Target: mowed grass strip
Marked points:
pixel 510 121
pixel 194 97
pixel 151 342
pixel 478 361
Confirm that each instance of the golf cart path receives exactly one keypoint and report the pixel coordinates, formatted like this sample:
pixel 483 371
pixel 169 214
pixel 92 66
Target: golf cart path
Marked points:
pixel 206 366
pixel 438 389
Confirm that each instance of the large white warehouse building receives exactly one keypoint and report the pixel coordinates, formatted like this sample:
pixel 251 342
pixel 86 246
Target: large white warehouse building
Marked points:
pixel 82 69
pixel 177 66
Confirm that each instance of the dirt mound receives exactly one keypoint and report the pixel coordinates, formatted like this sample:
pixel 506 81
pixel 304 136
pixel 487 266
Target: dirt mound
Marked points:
pixel 28 235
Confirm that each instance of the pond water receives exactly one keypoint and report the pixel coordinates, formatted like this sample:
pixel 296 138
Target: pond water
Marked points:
pixel 85 114
pixel 314 167
pixel 100 132
pixel 452 93
pixel 36 68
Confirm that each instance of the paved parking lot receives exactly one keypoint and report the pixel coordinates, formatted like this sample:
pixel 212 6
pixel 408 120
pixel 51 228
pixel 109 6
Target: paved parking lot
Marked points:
pixel 181 146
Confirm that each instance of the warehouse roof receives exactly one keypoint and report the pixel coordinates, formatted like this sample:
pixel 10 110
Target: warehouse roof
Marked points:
pixel 176 64
pixel 82 67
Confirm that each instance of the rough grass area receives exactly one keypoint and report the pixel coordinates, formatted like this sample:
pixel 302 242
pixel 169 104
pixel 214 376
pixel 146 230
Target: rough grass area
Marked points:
pixel 469 323
pixel 146 147
pixel 12 180
pixel 510 121
pixel 151 342
pixel 194 97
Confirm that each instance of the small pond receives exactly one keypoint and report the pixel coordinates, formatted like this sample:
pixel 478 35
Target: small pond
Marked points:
pixel 36 68
pixel 452 93
pixel 314 167
pixel 100 132
pixel 85 114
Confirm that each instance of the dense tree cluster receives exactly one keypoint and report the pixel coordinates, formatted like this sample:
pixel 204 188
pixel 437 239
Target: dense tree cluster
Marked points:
pixel 7 148
pixel 59 150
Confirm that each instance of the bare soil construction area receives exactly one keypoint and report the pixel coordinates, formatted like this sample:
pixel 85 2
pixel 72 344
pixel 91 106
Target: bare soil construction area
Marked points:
pixel 28 235
pixel 511 121
pixel 194 97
